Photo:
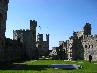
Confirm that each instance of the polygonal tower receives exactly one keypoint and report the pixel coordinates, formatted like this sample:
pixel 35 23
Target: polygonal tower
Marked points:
pixel 3 18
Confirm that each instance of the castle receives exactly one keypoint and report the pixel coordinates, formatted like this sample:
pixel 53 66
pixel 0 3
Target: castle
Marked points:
pixel 24 45
pixel 80 45
pixel 33 48
pixel 27 38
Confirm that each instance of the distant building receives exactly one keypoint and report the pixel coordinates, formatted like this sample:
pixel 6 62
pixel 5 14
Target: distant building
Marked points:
pixel 59 52
pixel 54 52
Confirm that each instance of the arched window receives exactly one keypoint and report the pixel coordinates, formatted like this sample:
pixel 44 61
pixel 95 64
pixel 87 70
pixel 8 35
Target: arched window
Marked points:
pixel 89 46
pixel 92 46
pixel 85 46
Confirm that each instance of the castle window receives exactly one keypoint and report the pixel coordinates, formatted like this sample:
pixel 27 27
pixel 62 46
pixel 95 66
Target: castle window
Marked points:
pixel 70 48
pixel 84 41
pixel 70 55
pixel 89 46
pixel 92 46
pixel 85 46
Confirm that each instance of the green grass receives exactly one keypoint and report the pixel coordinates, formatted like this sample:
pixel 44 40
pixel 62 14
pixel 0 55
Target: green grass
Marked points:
pixel 41 66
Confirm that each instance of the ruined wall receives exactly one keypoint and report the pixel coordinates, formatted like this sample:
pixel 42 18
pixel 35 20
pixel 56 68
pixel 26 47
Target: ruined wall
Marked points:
pixel 90 48
pixel 82 44
pixel 43 46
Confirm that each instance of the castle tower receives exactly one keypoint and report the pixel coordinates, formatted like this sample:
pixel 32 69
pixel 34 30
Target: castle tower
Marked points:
pixel 3 18
pixel 33 25
pixel 87 29
pixel 47 39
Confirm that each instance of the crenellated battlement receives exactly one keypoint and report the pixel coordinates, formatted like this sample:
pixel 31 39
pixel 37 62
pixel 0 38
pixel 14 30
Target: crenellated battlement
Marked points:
pixel 33 24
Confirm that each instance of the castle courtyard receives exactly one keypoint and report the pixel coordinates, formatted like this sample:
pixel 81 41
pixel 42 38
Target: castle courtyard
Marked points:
pixel 41 66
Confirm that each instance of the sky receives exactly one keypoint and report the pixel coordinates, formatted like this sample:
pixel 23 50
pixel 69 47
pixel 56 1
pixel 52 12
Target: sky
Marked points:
pixel 59 18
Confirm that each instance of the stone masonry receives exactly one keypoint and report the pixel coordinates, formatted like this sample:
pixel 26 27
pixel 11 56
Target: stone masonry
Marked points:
pixel 3 18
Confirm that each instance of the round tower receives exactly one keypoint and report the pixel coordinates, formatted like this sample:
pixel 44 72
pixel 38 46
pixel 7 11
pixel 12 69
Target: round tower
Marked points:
pixel 3 18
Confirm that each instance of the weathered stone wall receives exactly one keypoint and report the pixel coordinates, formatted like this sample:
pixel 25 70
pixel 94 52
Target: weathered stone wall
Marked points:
pixel 43 46
pixel 3 18
pixel 90 47
pixel 85 44
pixel 28 38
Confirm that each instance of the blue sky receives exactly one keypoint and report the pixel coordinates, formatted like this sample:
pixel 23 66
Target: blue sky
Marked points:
pixel 59 18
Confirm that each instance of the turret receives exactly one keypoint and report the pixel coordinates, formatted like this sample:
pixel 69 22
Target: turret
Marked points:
pixel 47 39
pixel 87 29
pixel 33 25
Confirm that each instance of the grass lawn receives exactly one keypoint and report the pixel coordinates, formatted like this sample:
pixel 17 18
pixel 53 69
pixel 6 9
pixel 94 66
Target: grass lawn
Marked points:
pixel 41 66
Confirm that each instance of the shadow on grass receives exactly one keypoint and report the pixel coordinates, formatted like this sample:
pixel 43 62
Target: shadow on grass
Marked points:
pixel 24 67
